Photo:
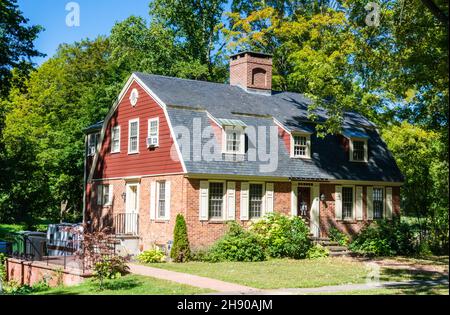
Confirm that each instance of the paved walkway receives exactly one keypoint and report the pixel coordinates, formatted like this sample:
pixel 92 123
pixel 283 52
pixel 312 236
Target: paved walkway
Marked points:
pixel 223 287
pixel 192 280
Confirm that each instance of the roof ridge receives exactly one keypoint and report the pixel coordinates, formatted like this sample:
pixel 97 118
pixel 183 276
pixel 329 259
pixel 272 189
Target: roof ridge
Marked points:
pixel 181 79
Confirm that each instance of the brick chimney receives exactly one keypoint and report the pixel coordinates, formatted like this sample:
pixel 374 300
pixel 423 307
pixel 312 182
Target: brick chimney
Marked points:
pixel 251 71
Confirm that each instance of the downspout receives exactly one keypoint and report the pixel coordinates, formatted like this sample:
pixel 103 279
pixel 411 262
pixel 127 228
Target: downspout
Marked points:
pixel 84 180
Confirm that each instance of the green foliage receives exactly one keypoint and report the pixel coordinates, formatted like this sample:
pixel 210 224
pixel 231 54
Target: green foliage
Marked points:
pixel 109 268
pixel 419 156
pixel 317 251
pixel 14 288
pixel 180 251
pixel 283 236
pixel 338 236
pixel 2 268
pixel 386 238
pixel 152 256
pixel 237 245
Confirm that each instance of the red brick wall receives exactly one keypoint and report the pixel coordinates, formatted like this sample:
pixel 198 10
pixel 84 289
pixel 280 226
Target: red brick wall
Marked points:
pixel 251 72
pixel 185 200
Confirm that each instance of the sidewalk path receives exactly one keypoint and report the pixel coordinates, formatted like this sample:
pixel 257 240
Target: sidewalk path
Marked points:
pixel 223 287
pixel 192 280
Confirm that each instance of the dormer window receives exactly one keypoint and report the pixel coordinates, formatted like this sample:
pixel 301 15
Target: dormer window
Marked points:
pixel 93 140
pixel 301 146
pixel 234 142
pixel 358 150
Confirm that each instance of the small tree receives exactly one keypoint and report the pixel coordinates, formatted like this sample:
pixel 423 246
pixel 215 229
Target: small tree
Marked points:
pixel 180 251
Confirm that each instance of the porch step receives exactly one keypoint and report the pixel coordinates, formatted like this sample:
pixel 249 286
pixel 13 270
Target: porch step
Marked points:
pixel 334 248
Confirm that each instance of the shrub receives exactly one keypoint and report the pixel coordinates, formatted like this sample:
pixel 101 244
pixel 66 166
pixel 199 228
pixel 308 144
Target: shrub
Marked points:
pixel 338 236
pixel 385 238
pixel 180 251
pixel 2 268
pixel 14 288
pixel 152 256
pixel 283 236
pixel 237 245
pixel 109 268
pixel 317 251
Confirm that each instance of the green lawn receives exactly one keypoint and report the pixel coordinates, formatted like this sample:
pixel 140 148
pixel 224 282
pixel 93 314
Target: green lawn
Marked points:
pixel 278 273
pixel 127 285
pixel 288 273
pixel 399 290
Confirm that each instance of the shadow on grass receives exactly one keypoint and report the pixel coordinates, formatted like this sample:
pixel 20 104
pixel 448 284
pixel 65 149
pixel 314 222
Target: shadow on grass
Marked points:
pixel 92 287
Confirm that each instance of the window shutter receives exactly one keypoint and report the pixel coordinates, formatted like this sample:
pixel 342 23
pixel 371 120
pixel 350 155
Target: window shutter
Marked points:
pixel 244 201
pixel 359 203
pixel 167 200
pixel 389 204
pixel 294 199
pixel 338 203
pixel 110 197
pixel 99 195
pixel 153 200
pixel 369 203
pixel 231 200
pixel 203 200
pixel 269 197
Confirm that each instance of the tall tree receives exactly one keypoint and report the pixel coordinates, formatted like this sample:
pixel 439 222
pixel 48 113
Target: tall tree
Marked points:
pixel 16 42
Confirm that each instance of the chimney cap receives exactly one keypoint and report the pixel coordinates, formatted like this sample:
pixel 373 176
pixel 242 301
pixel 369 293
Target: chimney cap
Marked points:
pixel 251 53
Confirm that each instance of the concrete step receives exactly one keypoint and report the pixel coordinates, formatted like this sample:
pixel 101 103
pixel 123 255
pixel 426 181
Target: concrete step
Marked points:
pixel 336 248
pixel 328 243
pixel 340 254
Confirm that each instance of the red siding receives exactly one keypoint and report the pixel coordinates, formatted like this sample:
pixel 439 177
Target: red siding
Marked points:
pixel 286 138
pixel 161 160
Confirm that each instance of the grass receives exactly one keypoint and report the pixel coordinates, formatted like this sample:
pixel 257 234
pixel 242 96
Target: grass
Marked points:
pixel 399 290
pixel 288 273
pixel 278 273
pixel 127 285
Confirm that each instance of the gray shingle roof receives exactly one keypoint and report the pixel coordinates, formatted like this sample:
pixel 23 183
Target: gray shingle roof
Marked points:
pixel 188 101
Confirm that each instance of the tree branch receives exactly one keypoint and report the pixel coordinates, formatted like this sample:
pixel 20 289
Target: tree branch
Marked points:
pixel 436 11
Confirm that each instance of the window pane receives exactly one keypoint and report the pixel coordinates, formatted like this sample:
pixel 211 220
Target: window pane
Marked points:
pixel 378 203
pixel 215 200
pixel 134 136
pixel 105 194
pixel 358 150
pixel 256 195
pixel 347 202
pixel 162 199
pixel 233 141
pixel 300 145
pixel 153 128
pixel 115 139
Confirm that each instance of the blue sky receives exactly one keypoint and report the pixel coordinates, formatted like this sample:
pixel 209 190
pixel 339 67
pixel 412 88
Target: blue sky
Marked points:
pixel 96 18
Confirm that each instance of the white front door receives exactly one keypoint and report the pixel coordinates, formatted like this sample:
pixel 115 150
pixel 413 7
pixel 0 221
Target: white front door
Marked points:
pixel 315 210
pixel 132 209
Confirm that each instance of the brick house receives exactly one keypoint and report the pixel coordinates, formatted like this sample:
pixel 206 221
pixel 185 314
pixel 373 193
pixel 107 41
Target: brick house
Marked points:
pixel 220 152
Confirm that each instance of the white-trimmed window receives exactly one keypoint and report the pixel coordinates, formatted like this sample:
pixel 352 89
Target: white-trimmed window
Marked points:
pixel 301 146
pixel 234 140
pixel 256 195
pixel 93 140
pixel 133 136
pixel 378 202
pixel 216 200
pixel 161 200
pixel 347 203
pixel 104 195
pixel 358 150
pixel 115 139
pixel 153 132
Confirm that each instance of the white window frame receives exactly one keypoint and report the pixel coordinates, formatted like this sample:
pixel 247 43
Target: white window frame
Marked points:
pixel 96 137
pixel 224 196
pixel 365 150
pixel 308 145
pixel 229 129
pixel 158 195
pixel 353 218
pixel 101 189
pixel 383 211
pixel 129 136
pixel 112 138
pixel 263 203
pixel 157 130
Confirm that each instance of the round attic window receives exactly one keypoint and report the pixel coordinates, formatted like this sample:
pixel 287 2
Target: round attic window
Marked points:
pixel 134 97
